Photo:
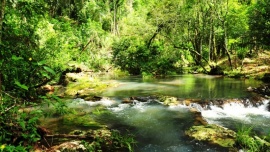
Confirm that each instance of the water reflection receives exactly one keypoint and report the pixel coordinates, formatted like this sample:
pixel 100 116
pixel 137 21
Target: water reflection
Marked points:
pixel 184 86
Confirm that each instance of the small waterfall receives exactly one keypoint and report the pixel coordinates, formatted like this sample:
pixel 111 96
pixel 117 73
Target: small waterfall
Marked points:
pixel 86 104
pixel 234 113
pixel 196 106
pixel 236 110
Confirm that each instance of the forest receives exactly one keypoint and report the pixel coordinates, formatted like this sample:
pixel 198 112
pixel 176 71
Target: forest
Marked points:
pixel 41 39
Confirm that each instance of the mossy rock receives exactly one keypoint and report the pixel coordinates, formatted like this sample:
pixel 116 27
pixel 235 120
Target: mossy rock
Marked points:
pixel 81 121
pixel 168 101
pixel 213 134
pixel 85 87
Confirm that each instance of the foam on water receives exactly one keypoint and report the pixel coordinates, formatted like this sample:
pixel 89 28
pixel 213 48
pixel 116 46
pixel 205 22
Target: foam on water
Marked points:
pixel 119 108
pixel 104 101
pixel 236 111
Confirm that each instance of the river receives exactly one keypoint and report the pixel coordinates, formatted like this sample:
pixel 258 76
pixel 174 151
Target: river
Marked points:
pixel 159 128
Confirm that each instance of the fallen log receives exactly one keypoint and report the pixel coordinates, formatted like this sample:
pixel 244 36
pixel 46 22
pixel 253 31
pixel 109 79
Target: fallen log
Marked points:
pixel 70 136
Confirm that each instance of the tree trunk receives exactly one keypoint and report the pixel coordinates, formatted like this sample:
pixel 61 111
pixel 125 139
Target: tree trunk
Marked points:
pixel 214 53
pixel 130 5
pixel 225 45
pixel 2 13
pixel 114 17
pixel 210 45
pixel 226 37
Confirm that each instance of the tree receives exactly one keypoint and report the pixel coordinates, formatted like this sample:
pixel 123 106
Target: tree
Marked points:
pixel 259 22
pixel 21 68
pixel 2 13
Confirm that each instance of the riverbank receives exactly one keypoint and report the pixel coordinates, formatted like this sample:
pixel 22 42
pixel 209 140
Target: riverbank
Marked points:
pixel 255 67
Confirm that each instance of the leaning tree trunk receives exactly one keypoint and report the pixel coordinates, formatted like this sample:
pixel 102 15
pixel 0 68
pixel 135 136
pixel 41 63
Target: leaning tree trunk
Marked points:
pixel 225 40
pixel 225 47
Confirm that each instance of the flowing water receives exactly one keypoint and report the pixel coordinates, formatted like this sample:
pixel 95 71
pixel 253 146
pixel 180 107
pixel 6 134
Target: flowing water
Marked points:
pixel 160 128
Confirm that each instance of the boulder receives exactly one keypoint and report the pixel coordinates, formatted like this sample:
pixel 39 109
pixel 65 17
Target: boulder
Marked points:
pixel 47 89
pixel 212 133
pixel 198 118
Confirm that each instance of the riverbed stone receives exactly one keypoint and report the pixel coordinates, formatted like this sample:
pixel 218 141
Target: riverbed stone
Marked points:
pixel 212 133
pixel 198 118
pixel 127 100
pixel 168 100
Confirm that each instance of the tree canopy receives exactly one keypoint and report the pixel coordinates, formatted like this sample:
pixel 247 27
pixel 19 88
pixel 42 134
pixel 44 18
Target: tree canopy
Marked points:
pixel 39 38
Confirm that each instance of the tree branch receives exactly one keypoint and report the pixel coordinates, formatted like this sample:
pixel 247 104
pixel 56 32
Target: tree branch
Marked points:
pixel 7 109
pixel 160 26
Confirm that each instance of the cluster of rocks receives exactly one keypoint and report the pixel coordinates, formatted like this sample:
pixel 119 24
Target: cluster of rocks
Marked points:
pixel 262 90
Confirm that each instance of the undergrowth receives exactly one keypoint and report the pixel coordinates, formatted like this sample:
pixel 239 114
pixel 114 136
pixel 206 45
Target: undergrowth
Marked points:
pixel 248 141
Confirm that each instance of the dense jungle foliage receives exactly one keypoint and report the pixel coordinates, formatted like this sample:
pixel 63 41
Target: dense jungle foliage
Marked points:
pixel 39 38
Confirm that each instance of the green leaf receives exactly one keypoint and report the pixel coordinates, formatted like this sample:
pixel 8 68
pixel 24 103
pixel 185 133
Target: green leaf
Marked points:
pixel 49 70
pixel 44 74
pixel 56 98
pixel 41 62
pixel 15 58
pixel 22 124
pixel 21 85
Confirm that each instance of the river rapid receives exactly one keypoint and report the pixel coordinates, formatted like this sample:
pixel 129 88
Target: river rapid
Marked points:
pixel 160 128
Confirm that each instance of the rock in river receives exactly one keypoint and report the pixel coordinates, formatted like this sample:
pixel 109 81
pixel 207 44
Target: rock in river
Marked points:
pixel 214 134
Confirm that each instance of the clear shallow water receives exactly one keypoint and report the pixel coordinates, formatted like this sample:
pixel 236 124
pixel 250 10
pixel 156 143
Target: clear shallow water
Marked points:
pixel 159 128
pixel 183 86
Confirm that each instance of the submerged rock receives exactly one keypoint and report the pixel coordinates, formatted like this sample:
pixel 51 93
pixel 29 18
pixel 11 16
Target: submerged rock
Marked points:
pixel 213 134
